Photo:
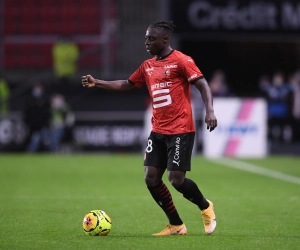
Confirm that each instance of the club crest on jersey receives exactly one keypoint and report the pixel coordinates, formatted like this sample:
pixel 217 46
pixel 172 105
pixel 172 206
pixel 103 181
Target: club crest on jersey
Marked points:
pixel 167 72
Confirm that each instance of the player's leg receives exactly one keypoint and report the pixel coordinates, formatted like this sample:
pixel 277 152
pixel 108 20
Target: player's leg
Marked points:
pixel 191 192
pixel 180 152
pixel 163 198
pixel 188 188
pixel 155 165
pixel 161 193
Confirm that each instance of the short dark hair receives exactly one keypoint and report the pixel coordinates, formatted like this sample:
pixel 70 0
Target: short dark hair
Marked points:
pixel 165 25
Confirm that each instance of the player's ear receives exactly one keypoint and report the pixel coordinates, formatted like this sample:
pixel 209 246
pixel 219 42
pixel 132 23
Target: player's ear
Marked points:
pixel 166 38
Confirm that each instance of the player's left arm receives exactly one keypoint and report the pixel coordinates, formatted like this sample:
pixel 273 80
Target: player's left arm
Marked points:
pixel 210 118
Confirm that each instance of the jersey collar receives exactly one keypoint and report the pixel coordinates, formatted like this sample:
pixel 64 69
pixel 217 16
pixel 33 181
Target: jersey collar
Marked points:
pixel 163 57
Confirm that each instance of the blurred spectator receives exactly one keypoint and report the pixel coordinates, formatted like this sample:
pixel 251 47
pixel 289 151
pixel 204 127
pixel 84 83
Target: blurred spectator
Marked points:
pixel 4 97
pixel 218 85
pixel 37 118
pixel 295 85
pixel 264 86
pixel 62 121
pixel 65 55
pixel 280 98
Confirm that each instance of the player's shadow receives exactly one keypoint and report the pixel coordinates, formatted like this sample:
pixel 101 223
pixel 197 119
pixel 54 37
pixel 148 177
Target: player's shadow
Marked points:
pixel 151 236
pixel 217 235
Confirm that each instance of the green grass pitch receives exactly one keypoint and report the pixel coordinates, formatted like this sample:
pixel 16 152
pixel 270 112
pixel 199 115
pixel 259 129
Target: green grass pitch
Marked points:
pixel 43 199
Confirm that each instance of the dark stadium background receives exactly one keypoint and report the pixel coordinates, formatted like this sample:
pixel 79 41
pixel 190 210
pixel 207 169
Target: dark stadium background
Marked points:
pixel 110 37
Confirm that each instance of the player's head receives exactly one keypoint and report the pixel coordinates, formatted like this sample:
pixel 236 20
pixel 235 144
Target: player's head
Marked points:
pixel 158 36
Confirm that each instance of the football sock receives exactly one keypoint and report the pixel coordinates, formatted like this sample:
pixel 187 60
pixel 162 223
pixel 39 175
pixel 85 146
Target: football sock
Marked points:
pixel 163 198
pixel 190 191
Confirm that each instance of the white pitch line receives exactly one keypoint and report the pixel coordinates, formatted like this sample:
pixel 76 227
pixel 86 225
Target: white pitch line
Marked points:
pixel 255 169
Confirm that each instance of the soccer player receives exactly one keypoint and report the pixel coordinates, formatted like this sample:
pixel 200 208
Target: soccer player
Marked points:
pixel 168 76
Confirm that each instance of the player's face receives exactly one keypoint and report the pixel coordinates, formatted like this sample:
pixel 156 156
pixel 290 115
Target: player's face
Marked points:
pixel 155 41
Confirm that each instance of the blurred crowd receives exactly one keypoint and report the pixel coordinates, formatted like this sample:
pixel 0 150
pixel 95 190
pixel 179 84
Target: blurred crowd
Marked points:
pixel 283 97
pixel 50 118
pixel 46 113
pixel 218 85
pixel 282 94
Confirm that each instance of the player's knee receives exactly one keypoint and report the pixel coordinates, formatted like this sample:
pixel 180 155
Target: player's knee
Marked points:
pixel 176 180
pixel 153 176
pixel 176 183
pixel 150 180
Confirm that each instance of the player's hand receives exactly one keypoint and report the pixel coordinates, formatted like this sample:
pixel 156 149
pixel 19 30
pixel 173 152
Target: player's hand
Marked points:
pixel 88 81
pixel 211 121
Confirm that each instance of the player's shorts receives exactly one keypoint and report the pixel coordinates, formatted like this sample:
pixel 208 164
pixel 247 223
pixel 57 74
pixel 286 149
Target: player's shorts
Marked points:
pixel 173 152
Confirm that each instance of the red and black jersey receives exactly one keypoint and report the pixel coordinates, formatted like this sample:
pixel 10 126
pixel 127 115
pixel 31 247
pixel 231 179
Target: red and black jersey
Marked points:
pixel 168 81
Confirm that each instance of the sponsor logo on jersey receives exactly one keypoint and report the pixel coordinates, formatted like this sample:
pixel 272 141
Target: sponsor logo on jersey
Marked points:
pixel 167 72
pixel 149 71
pixel 192 77
pixel 161 85
pixel 171 66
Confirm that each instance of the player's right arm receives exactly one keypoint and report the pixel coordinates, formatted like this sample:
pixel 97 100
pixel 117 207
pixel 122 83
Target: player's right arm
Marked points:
pixel 118 85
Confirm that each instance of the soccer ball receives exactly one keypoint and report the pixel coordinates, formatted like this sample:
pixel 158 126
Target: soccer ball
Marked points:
pixel 96 223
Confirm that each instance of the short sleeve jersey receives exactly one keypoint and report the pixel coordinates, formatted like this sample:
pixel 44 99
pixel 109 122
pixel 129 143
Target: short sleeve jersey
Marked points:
pixel 168 81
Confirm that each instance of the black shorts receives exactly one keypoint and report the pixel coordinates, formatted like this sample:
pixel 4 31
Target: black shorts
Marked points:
pixel 173 152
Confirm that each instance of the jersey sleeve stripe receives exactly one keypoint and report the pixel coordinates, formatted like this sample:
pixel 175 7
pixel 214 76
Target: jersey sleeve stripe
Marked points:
pixel 131 82
pixel 196 79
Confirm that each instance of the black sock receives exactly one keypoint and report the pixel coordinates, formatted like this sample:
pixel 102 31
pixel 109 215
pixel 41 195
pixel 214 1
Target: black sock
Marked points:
pixel 190 191
pixel 163 198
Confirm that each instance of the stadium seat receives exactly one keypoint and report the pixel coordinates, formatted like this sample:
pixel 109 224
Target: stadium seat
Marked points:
pixel 10 13
pixel 9 28
pixel 28 3
pixel 28 28
pixel 28 13
pixel 49 17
